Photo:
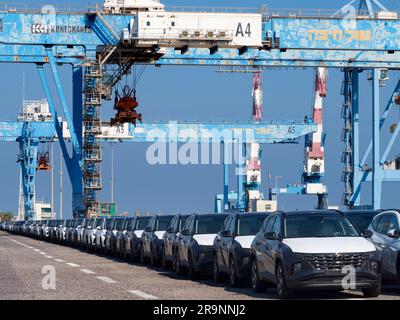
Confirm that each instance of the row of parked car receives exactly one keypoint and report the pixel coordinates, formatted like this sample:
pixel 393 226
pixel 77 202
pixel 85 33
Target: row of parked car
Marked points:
pixel 289 250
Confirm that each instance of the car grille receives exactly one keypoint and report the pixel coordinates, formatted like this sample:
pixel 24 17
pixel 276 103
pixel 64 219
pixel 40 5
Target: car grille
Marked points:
pixel 336 261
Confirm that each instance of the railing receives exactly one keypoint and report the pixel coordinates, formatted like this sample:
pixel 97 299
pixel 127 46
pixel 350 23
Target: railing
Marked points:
pixel 266 11
pixel 48 8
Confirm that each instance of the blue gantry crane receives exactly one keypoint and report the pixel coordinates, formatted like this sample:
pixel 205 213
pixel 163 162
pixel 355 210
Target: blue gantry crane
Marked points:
pixel 31 133
pixel 102 43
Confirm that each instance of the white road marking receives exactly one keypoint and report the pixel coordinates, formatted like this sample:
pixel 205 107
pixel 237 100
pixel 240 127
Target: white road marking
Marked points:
pixel 106 279
pixel 43 253
pixel 87 271
pixel 37 250
pixel 48 257
pixel 72 264
pixel 143 295
pixel 59 260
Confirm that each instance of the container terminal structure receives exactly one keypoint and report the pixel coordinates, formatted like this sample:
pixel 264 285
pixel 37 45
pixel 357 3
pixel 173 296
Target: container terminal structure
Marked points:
pixel 102 44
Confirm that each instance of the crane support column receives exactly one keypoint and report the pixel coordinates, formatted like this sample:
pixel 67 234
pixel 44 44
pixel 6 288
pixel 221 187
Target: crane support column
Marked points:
pixel 376 169
pixel 357 174
pixel 240 166
pixel 77 183
pixel 28 160
pixel 226 176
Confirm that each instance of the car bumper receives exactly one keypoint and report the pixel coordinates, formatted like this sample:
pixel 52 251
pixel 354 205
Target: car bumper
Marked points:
pixel 335 281
pixel 205 260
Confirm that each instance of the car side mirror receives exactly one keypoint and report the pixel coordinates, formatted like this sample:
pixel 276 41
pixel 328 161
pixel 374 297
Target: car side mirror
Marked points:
pixel 149 229
pixel 367 233
pixel 185 232
pixel 226 233
pixel 171 230
pixel 393 233
pixel 271 236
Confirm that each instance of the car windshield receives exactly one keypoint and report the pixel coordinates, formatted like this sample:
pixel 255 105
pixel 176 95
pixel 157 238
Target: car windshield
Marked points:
pixel 99 222
pixel 318 226
pixel 362 220
pixel 130 224
pixel 249 226
pixel 119 224
pixel 210 225
pixel 163 223
pixel 183 222
pixel 79 222
pixel 143 223
pixel 86 223
pixel 109 223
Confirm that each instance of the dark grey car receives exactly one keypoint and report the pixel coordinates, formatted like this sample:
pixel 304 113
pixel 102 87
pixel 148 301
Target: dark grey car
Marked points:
pixel 232 247
pixel 386 237
pixel 152 239
pixel 169 239
pixel 194 245
pixel 313 250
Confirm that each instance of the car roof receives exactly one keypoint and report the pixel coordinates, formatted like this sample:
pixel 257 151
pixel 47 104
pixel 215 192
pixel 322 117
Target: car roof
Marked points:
pixel 311 212
pixel 363 211
pixel 211 215
pixel 257 214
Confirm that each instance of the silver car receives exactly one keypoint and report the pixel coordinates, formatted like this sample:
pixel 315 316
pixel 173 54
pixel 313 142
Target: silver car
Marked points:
pixel 61 229
pixel 133 238
pixel 386 237
pixel 78 232
pixel 101 235
pixel 88 234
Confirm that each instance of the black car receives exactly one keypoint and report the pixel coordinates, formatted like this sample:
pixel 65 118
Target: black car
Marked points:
pixel 152 239
pixel 313 250
pixel 133 239
pixel 232 247
pixel 362 218
pixel 111 235
pixel 169 239
pixel 194 245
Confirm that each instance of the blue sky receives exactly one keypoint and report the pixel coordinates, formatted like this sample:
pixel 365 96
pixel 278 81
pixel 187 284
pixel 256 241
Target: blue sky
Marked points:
pixel 202 94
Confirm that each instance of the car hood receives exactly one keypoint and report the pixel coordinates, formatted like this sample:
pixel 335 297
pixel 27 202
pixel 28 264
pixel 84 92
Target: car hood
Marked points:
pixel 138 233
pixel 159 234
pixel 245 241
pixel 205 239
pixel 330 245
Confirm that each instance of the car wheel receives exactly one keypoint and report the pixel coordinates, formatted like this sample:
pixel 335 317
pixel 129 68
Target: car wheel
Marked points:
pixel 123 253
pixel 257 284
pixel 283 291
pixel 192 273
pixel 164 260
pixel 141 254
pixel 234 280
pixel 152 257
pixel 217 275
pixel 372 292
pixel 178 266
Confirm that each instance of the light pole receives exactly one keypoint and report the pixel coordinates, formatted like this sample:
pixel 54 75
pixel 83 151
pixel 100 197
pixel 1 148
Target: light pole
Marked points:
pixel 61 184
pixel 112 172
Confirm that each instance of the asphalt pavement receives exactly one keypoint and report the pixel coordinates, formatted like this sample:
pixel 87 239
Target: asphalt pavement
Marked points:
pixel 32 269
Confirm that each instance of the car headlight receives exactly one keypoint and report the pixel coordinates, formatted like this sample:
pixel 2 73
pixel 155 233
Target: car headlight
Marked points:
pixel 374 266
pixel 297 267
